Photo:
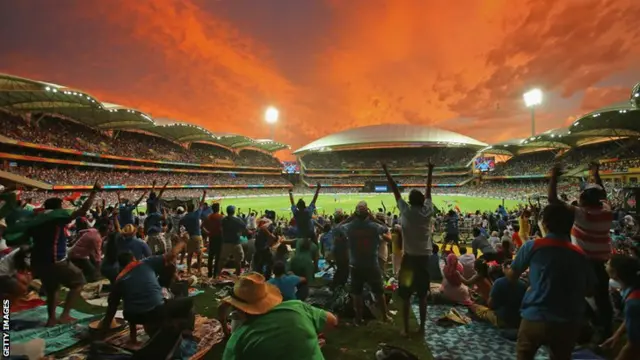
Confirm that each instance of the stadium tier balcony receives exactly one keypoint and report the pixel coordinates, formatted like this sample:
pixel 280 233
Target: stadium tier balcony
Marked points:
pixel 69 177
pixel 62 135
pixel 361 180
pixel 394 158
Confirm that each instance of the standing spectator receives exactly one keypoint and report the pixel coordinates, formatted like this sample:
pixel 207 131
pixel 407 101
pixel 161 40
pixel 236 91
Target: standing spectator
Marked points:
pixel 415 220
pixel 213 228
pixel 593 218
pixel 560 278
pixel 232 228
pixel 49 259
pixel 364 235
pixel 125 210
pixel 86 253
pixel 191 223
pixel 303 215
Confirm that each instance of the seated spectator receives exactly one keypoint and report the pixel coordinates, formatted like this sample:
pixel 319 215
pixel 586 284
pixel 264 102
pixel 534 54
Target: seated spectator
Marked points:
pixel 625 270
pixel 480 282
pixel 14 273
pixel 503 305
pixel 468 263
pixel 269 323
pixel 452 287
pixel 288 284
pixel 481 243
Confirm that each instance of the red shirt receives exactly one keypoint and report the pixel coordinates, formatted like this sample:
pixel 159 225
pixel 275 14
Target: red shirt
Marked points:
pixel 213 224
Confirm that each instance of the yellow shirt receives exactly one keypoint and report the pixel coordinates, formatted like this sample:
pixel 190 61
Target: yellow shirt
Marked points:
pixel 395 244
pixel 525 228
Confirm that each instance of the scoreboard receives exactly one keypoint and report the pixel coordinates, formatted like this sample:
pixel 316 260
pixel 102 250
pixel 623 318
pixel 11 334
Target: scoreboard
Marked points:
pixel 376 186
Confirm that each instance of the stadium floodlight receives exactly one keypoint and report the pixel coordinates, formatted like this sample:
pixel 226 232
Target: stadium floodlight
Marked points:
pixel 271 117
pixel 533 98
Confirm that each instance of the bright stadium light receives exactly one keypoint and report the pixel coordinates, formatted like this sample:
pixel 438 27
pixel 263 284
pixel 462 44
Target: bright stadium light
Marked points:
pixel 271 117
pixel 533 98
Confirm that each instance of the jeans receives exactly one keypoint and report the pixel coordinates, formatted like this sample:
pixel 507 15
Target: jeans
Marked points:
pixel 214 250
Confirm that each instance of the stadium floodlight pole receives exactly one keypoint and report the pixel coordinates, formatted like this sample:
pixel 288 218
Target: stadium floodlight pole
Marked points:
pixel 533 98
pixel 271 117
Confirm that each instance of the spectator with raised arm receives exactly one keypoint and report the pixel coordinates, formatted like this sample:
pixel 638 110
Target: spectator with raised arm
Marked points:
pixel 303 215
pixel 416 221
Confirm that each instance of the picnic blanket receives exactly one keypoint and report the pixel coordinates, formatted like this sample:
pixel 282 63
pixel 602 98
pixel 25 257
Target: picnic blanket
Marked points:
pixel 56 338
pixel 207 333
pixel 474 341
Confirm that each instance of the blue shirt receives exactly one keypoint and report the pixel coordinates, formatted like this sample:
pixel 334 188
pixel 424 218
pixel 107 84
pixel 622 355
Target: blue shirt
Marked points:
pixel 364 239
pixel 153 223
pixel 205 213
pixel 125 214
pixel 304 221
pixel 560 277
pixel 191 222
pixel 452 224
pixel 506 298
pixel 287 285
pixel 232 228
pixel 49 242
pixel 632 315
pixel 435 273
pixel 327 241
pixel 137 247
pixel 139 288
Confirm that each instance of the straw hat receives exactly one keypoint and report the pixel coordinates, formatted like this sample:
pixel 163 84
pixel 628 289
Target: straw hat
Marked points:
pixel 128 230
pixel 253 295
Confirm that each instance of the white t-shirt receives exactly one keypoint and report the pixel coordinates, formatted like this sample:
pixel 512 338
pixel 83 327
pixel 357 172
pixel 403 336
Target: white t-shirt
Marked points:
pixel 8 264
pixel 416 227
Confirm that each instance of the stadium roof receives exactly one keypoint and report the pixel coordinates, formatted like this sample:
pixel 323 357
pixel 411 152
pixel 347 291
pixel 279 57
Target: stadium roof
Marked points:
pixel 29 96
pixel 390 135
pixel 614 121
pixel 621 119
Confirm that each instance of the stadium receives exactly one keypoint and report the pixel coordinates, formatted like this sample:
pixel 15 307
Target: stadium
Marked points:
pixel 58 141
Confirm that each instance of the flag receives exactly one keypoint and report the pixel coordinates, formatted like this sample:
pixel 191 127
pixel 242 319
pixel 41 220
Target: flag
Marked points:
pixel 17 233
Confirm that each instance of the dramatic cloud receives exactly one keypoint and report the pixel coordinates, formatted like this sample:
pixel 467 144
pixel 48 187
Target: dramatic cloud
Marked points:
pixel 460 65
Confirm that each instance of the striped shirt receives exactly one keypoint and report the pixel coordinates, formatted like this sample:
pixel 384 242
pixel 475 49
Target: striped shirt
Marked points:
pixel 591 231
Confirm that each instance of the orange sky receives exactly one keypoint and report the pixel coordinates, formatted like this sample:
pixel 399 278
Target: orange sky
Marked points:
pixel 329 65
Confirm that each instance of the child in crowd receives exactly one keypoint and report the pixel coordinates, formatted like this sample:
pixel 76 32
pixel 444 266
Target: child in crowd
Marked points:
pixel 288 284
pixel 625 270
pixel 480 282
pixel 468 263
pixel 435 273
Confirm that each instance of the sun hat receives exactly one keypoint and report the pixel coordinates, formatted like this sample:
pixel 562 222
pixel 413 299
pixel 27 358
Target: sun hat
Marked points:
pixel 253 295
pixel 128 230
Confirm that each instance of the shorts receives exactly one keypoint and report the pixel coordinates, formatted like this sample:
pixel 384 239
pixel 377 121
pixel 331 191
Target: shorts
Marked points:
pixel 234 250
pixel 194 244
pixel 366 275
pixel 60 273
pixel 413 276
pixel 451 237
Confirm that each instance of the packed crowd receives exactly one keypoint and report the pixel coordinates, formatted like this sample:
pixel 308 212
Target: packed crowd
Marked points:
pixel 400 179
pixel 529 270
pixel 56 132
pixel 621 165
pixel 82 176
pixel 397 158
pixel 526 164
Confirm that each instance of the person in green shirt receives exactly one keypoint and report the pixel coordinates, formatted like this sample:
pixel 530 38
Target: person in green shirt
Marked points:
pixel 271 329
pixel 304 264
